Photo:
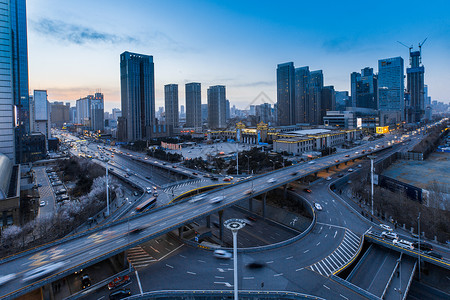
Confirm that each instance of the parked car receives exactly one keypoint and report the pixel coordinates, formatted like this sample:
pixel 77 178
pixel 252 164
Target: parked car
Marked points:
pixel 85 281
pixel 434 254
pixel 307 190
pixel 42 203
pixel 222 254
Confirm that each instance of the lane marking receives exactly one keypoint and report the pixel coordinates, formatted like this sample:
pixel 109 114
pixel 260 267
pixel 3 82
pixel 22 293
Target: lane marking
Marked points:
pixel 335 234
pixel 276 275
pixel 343 296
pixel 182 256
pixel 326 287
pixel 269 262
pixel 290 257
pixel 169 266
pixel 189 272
pixel 139 282
pixel 318 244
pixel 219 277
pixel 248 277
pixel 306 251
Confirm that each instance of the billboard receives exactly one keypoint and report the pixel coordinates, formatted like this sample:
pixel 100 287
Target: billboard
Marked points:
pixel 382 129
pixel 358 122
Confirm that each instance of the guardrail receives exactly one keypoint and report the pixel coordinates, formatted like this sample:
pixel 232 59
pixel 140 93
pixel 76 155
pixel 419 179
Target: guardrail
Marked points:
pixel 220 294
pixel 352 273
pixel 408 285
pixel 392 275
pixel 353 258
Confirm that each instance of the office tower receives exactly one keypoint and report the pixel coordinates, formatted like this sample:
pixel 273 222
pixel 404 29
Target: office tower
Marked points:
pixel 342 100
pixel 137 85
pixel 285 94
pixel 41 113
pixel 59 114
pixel 204 112
pixel 73 115
pixel 7 123
pixel 217 107
pixel 391 85
pixel 302 78
pixel 263 113
pixel 116 113
pixel 315 97
pixel 171 106
pixel 182 110
pixel 90 112
pixel 328 101
pixel 194 105
pixel 415 87
pixel 107 115
pixel 227 109
pixel 364 89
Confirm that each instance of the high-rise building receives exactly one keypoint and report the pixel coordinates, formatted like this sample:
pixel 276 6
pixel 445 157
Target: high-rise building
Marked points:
pixel 116 113
pixel 315 98
pixel 227 109
pixel 285 94
pixel 328 101
pixel 7 122
pixel 264 113
pixel 391 85
pixel 137 85
pixel 59 114
pixel 204 112
pixel 302 78
pixel 217 107
pixel 41 113
pixel 415 87
pixel 73 114
pixel 364 89
pixel 171 107
pixel 193 105
pixel 90 112
pixel 342 100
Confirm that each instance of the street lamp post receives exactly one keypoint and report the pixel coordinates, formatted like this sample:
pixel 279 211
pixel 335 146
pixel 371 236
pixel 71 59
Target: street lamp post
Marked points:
pixel 248 164
pixel 237 158
pixel 371 157
pixel 418 250
pixel 107 190
pixel 234 225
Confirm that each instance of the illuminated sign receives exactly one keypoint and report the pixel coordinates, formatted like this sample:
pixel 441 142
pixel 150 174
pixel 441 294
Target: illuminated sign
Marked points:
pixel 383 129
pixel 359 122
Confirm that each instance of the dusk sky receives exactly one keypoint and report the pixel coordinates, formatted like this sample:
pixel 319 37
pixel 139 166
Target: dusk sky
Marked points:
pixel 74 46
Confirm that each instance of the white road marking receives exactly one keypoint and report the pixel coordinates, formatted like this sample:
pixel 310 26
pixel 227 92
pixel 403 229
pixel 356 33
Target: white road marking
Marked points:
pixel 326 235
pixel 326 287
pixel 269 262
pixel 119 241
pixel 298 269
pixel 202 261
pixel 139 282
pixel 191 273
pixel 154 249
pixel 248 277
pixel 335 234
pixel 182 256
pixel 169 266
pixel 219 277
pixel 276 275
pixel 343 296
pixel 93 251
pixel 306 251
pixel 318 244
pixel 225 283
pixel 290 257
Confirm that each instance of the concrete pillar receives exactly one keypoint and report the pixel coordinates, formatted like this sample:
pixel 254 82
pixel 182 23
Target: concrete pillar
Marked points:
pixel 264 206
pixel 345 163
pixel 208 221
pixel 315 175
pixel 285 191
pixel 221 225
pixel 328 170
pixel 250 204
pixel 180 232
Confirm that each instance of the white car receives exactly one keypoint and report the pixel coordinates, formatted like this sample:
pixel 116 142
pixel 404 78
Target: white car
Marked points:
pixel 196 198
pixel 42 203
pixel 389 235
pixel 312 162
pixel 42 271
pixel 216 199
pixel 328 178
pixel 318 206
pixel 271 180
pixel 404 244
pixel 223 254
pixel 386 227
pixel 350 170
pixel 7 278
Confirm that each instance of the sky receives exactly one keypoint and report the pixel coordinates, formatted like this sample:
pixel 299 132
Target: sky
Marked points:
pixel 74 46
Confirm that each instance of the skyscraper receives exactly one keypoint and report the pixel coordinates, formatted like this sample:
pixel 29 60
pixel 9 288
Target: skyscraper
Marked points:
pixel 7 142
pixel 391 85
pixel 90 112
pixel 41 113
pixel 285 94
pixel 364 89
pixel 137 85
pixel 193 105
pixel 315 97
pixel 302 77
pixel 171 106
pixel 217 107
pixel 328 101
pixel 415 87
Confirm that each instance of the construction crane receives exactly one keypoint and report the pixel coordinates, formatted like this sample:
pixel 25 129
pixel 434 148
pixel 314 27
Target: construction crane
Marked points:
pixel 409 47
pixel 420 49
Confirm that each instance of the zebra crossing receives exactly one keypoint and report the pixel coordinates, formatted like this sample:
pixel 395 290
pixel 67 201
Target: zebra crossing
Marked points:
pixel 177 186
pixel 340 257
pixel 139 258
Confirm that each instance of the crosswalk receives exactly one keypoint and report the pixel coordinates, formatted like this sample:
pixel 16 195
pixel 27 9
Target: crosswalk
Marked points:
pixel 177 186
pixel 139 258
pixel 340 257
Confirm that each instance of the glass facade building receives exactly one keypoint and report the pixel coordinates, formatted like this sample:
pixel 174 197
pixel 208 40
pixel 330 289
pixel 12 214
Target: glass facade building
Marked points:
pixel 217 107
pixel 193 104
pixel 285 94
pixel 391 85
pixel 171 106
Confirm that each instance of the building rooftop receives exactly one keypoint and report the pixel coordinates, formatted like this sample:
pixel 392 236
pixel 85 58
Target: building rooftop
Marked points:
pixel 310 131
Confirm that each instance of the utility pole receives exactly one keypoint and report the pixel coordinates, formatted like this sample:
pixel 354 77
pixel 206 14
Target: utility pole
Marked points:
pixel 371 157
pixel 107 190
pixel 234 225
pixel 418 250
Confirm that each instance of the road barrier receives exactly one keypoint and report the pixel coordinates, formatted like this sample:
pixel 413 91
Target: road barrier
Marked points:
pixel 354 288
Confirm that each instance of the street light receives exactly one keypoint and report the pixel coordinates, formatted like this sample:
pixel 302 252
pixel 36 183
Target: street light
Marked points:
pixel 371 157
pixel 418 250
pixel 107 190
pixel 248 164
pixel 234 225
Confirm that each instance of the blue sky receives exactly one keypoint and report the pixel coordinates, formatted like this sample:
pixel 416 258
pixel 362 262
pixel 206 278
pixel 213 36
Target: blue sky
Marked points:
pixel 74 46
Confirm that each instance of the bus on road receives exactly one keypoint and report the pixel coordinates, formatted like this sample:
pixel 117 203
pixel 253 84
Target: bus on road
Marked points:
pixel 147 204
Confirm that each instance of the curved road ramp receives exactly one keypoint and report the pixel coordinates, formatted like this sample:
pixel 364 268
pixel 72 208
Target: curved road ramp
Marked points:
pixel 224 294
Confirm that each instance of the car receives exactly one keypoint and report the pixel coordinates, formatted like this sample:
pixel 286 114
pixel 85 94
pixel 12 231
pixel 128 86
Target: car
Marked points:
pixel 389 235
pixel 249 191
pixel 120 294
pixel 148 177
pixel 42 203
pixel 272 180
pixel 375 234
pixel 328 178
pixel 39 185
pixel 227 179
pixel 311 162
pixel 433 254
pixel 359 166
pixel 346 155
pixel 138 229
pixel 318 206
pixel 41 271
pixel 386 227
pixel 135 193
pixel 111 169
pixel 356 152
pixel 307 190
pixel 197 198
pixel 256 265
pixel 340 175
pixel 194 173
pixel 336 160
pixel 222 254
pixel 149 191
pixel 207 176
pixel 423 246
pixel 404 244
pixel 174 167
pixel 216 199
pixel 350 170
pixel 85 281
pixel 250 218
pixel 155 188
pixel 294 173
pixel 155 194
pixel 118 281
pixel 214 178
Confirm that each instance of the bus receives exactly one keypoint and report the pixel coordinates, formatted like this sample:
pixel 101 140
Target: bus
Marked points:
pixel 149 203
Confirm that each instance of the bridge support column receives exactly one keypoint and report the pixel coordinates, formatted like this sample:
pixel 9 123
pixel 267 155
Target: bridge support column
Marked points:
pixel 221 225
pixel 208 221
pixel 250 204
pixel 180 232
pixel 315 175
pixel 264 207
pixel 328 170
pixel 345 163
pixel 285 191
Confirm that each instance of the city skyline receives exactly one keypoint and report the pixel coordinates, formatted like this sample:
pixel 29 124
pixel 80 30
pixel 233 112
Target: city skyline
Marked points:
pixel 258 36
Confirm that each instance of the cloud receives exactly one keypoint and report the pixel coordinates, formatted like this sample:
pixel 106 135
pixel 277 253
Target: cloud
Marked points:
pixel 254 84
pixel 76 34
